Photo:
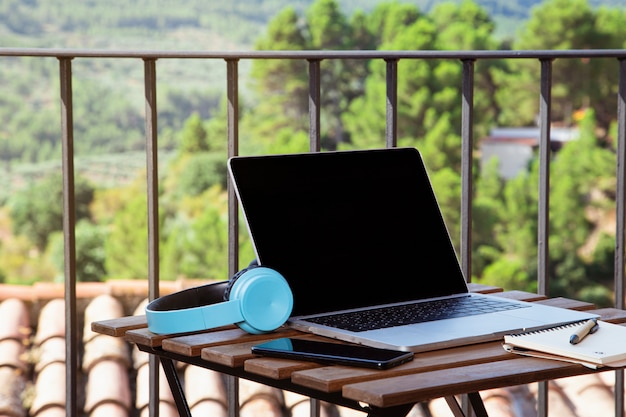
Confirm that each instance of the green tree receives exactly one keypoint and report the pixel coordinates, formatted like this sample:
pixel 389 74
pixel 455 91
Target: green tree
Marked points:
pixel 193 136
pixel 200 172
pixel 199 163
pixel 328 28
pixel 510 257
pixel 413 92
pixel 388 19
pixel 37 211
pixel 487 215
pixel 90 253
pixel 429 90
pixel 581 204
pixel 563 25
pixel 196 245
pixel 280 86
pixel 126 246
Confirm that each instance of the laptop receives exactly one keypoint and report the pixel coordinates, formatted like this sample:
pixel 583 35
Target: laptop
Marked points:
pixel 359 235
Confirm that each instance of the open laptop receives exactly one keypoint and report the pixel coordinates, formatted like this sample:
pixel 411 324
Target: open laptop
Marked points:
pixel 359 233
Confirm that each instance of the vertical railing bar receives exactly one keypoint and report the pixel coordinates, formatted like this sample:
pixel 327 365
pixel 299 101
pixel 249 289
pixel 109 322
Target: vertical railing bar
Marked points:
pixel 69 233
pixel 152 177
pixel 544 203
pixel 467 147
pixel 314 146
pixel 314 105
pixel 232 129
pixel 232 87
pixel 153 214
pixel 620 232
pixel 545 110
pixel 391 134
pixel 315 86
pixel 620 241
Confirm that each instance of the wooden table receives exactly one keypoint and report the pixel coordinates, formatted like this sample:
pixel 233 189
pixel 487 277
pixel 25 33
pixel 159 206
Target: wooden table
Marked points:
pixel 442 373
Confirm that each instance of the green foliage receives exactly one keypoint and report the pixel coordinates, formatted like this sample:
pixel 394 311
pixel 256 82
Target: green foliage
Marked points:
pixel 197 166
pixel 194 136
pixel 283 101
pixel 564 24
pixel 201 171
pixel 37 211
pixel 196 247
pixel 90 253
pixel 126 247
pixel 581 200
pixel 111 230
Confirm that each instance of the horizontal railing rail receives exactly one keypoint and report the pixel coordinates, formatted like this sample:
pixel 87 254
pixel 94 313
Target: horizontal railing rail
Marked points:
pixel 316 54
pixel 314 58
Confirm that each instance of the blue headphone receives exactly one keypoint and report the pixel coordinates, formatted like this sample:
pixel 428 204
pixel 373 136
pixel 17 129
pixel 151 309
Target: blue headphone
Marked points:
pixel 258 299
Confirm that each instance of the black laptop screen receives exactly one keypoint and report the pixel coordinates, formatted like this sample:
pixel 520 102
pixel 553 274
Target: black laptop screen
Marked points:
pixel 348 229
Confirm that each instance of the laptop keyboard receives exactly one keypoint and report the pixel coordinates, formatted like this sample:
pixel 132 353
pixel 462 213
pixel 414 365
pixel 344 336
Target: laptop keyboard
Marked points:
pixel 379 318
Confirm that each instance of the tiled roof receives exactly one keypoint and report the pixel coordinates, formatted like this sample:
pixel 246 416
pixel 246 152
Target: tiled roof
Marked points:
pixel 114 374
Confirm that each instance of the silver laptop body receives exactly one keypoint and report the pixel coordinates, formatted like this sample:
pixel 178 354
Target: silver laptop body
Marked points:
pixel 355 231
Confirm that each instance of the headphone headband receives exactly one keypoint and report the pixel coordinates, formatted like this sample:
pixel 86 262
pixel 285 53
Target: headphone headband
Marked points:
pixel 193 309
pixel 257 299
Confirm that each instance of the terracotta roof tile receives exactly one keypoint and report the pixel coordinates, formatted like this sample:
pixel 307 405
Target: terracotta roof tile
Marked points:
pixel 205 391
pixel 108 383
pixel 15 320
pixel 14 367
pixel 49 389
pixel 106 362
pixel 12 354
pixel 51 321
pixel 12 385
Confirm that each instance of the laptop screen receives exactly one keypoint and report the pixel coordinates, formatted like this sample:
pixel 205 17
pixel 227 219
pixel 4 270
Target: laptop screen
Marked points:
pixel 348 229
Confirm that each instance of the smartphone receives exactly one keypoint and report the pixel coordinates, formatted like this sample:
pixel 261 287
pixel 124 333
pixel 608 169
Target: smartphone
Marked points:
pixel 333 353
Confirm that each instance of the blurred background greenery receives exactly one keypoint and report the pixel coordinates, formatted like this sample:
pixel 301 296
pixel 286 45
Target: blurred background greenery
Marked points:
pixel 109 122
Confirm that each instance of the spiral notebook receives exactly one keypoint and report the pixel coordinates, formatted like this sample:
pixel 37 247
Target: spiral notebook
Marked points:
pixel 605 347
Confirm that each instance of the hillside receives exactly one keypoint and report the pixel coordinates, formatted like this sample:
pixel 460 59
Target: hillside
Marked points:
pixel 188 24
pixel 27 108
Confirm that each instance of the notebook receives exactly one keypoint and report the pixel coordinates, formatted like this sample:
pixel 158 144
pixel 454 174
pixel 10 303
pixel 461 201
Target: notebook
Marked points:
pixel 359 233
pixel 607 346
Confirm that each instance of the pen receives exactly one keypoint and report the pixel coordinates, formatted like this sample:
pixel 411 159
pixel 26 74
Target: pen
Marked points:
pixel 588 328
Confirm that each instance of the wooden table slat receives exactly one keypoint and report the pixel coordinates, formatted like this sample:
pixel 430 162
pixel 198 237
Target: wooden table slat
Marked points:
pixel 192 345
pixel 276 368
pixel 567 303
pixel 235 354
pixel 612 315
pixel 145 337
pixel 119 326
pixel 332 378
pixel 482 288
pixel 447 382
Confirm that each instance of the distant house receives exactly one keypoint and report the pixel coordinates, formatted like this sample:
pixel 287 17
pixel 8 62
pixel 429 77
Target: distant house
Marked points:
pixel 515 146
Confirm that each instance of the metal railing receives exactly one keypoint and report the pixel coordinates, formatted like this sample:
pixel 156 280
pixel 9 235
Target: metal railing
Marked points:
pixel 314 58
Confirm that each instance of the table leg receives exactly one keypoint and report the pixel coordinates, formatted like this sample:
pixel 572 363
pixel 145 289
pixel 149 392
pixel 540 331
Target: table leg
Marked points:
pixel 476 402
pixel 397 411
pixel 175 386
pixel 315 407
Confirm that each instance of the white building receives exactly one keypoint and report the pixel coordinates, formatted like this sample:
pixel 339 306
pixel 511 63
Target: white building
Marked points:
pixel 515 146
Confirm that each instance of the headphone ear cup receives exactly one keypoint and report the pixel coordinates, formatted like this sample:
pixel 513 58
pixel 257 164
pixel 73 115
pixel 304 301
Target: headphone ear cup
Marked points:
pixel 265 299
pixel 232 281
pixel 234 278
